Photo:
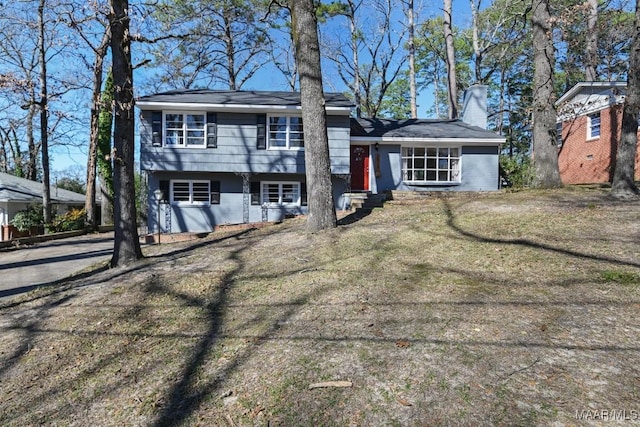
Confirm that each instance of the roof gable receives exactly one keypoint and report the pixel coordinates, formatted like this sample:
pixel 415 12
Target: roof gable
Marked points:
pixel 589 97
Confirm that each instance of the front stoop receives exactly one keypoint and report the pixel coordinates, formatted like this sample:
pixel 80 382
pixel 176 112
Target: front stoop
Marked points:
pixel 366 201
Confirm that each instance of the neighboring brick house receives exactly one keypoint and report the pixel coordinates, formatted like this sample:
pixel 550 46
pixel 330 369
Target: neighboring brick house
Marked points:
pixel 589 122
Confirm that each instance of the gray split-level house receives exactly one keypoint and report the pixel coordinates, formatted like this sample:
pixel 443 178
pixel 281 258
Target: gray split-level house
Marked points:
pixel 233 157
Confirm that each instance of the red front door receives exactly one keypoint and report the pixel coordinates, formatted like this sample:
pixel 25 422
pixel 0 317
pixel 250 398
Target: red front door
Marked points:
pixel 360 167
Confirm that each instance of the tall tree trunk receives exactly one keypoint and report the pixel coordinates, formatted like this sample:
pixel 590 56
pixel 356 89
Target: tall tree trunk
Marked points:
pixel 126 243
pixel 31 164
pixel 591 53
pixel 355 34
pixel 44 119
pixel 545 151
pixel 623 185
pixel 477 54
pixel 90 197
pixel 322 212
pixel 451 61
pixel 104 152
pixel 412 62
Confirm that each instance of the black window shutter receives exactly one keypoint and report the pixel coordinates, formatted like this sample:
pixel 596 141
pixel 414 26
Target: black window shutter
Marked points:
pixel 164 187
pixel 212 130
pixel 156 128
pixel 303 193
pixel 261 135
pixel 215 192
pixel 255 193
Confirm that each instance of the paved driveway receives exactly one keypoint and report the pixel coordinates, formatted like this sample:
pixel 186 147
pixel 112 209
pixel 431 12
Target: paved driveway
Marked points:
pixel 23 269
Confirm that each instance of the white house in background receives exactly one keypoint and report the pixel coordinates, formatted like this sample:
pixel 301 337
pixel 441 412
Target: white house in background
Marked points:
pixel 17 194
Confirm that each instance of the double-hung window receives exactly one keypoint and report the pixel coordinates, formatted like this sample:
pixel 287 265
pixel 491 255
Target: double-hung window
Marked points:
pixel 593 126
pixel 431 164
pixel 286 132
pixel 185 129
pixel 190 192
pixel 280 193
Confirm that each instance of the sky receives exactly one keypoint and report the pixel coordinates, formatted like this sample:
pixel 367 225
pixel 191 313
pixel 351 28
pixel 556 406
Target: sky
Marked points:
pixel 72 160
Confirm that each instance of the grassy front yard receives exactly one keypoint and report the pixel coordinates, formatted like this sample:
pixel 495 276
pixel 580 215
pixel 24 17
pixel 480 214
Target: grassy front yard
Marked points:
pixel 492 309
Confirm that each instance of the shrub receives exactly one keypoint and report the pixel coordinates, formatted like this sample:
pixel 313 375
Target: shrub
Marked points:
pixel 68 221
pixel 517 172
pixel 28 218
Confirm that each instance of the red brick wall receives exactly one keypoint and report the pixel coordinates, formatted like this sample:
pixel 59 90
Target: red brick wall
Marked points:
pixel 583 161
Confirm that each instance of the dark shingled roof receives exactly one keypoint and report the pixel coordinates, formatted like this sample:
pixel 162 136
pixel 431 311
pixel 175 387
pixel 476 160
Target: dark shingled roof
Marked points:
pixel 15 189
pixel 240 97
pixel 419 128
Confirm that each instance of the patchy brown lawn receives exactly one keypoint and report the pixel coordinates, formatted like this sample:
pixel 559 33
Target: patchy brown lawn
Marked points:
pixel 494 309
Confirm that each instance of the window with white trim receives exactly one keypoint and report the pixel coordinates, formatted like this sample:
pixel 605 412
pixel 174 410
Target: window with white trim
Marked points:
pixel 190 192
pixel 431 164
pixel 593 126
pixel 285 132
pixel 280 193
pixel 185 129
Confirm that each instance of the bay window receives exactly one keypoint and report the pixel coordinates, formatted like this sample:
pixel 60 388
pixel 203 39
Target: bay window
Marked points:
pixel 431 164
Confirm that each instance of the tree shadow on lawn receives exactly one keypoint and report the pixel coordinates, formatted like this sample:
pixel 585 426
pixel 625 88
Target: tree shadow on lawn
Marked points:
pixel 451 222
pixel 184 396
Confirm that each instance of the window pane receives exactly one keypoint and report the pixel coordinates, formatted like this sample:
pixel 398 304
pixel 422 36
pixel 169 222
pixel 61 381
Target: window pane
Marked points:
pixel 173 121
pixel 195 137
pixel 277 131
pixel 432 152
pixel 195 121
pixel 289 193
pixel 270 193
pixel 419 152
pixel 201 192
pixel 431 175
pixel 174 137
pixel 180 191
pixel 594 124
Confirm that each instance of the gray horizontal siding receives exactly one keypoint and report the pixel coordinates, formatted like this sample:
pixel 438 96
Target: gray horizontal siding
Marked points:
pixel 479 171
pixel 237 152
pixel 204 218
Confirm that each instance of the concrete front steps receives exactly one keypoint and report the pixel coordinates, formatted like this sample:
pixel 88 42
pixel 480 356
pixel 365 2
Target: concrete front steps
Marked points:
pixel 365 201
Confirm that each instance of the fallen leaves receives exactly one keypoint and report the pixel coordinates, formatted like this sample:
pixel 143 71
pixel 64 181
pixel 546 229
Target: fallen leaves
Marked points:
pixel 403 344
